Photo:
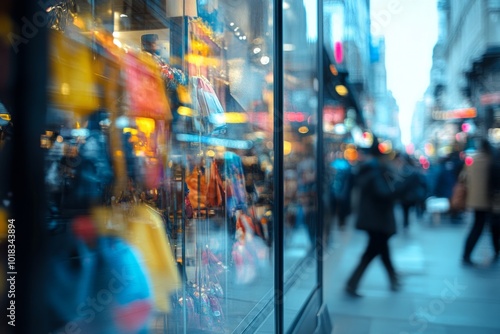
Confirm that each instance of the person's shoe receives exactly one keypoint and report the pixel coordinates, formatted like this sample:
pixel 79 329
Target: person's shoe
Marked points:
pixel 467 262
pixel 395 284
pixel 496 258
pixel 352 292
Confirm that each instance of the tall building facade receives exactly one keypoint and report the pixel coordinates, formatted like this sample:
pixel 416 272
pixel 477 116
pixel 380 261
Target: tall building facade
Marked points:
pixel 347 41
pixel 465 75
pixel 385 118
pixel 472 55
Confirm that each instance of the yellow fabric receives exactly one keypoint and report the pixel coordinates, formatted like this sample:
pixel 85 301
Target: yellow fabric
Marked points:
pixel 147 233
pixel 72 80
pixel 110 221
pixel 143 229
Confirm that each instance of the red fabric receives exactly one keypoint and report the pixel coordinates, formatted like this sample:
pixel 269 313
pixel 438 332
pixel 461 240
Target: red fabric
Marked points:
pixel 145 88
pixel 133 316
pixel 84 228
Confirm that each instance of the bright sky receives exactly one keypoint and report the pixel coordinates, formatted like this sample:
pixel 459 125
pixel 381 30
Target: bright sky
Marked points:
pixel 410 30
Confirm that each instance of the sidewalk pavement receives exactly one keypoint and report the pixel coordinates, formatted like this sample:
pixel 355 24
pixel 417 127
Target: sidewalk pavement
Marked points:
pixel 439 295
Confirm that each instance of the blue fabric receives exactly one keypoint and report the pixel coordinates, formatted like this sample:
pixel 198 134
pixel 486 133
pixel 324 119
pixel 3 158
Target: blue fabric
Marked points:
pixel 89 285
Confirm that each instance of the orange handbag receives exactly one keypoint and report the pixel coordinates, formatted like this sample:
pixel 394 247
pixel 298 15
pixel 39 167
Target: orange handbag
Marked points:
pixel 215 191
pixel 197 185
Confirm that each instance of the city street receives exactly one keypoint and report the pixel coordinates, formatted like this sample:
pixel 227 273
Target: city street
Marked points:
pixel 439 295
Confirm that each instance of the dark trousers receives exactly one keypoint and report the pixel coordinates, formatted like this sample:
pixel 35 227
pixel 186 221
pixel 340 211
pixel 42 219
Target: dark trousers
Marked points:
pixel 406 214
pixel 480 219
pixel 378 244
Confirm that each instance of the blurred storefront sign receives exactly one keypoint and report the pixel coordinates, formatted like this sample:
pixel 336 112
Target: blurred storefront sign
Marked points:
pixel 454 114
pixel 333 114
pixel 490 99
pixel 262 119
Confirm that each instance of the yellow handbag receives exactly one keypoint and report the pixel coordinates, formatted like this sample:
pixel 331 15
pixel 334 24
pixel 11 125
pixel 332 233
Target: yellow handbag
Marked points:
pixel 72 84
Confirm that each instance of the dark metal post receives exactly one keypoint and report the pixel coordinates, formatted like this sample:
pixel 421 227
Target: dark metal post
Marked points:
pixel 320 161
pixel 27 182
pixel 278 164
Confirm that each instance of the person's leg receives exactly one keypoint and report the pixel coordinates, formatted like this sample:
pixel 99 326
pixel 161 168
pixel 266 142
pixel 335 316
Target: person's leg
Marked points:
pixel 474 234
pixel 342 216
pixel 495 234
pixel 406 215
pixel 386 260
pixel 370 252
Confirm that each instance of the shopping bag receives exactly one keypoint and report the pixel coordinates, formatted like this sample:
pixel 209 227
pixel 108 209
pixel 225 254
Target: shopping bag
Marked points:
pixel 249 250
pixel 246 269
pixel 458 197
pixel 145 88
pixel 72 83
pixel 210 110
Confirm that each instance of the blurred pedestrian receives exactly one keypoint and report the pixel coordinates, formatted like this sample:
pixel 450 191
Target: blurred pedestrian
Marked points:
pixel 450 168
pixel 379 184
pixel 341 189
pixel 477 180
pixel 494 191
pixel 415 195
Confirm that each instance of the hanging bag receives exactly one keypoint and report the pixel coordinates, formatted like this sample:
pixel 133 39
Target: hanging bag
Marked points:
pixel 210 110
pixel 197 185
pixel 145 87
pixel 459 194
pixel 215 190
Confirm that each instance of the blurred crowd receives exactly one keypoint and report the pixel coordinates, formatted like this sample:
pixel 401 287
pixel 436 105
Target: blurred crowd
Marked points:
pixel 370 190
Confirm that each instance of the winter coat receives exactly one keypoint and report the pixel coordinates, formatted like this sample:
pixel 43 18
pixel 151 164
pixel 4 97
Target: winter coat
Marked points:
pixel 379 188
pixel 417 190
pixel 477 182
pixel 448 175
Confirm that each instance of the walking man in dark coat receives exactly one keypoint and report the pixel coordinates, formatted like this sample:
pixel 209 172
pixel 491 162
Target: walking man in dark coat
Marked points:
pixel 379 184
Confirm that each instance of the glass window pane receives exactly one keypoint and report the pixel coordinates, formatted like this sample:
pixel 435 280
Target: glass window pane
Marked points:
pixel 300 135
pixel 159 155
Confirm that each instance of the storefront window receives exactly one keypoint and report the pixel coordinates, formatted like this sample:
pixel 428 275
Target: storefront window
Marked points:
pixel 159 154
pixel 146 138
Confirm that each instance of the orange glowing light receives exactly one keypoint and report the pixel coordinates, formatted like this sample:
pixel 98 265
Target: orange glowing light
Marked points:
pixel 351 154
